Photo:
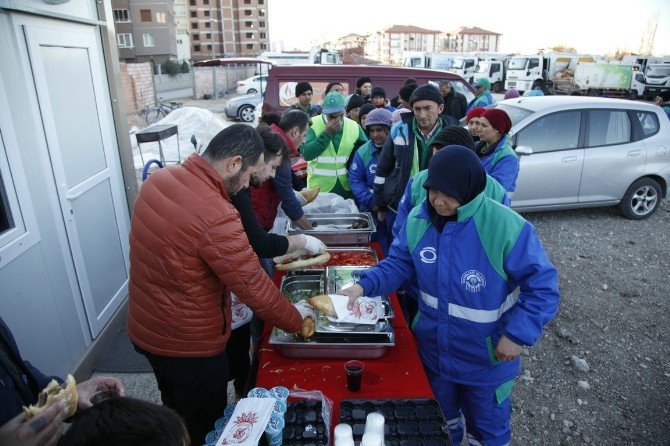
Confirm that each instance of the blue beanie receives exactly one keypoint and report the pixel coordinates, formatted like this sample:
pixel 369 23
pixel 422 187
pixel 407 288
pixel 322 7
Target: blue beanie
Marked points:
pixel 458 172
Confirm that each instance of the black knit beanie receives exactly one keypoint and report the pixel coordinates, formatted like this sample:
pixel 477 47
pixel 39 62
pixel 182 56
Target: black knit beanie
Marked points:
pixel 355 101
pixel 302 87
pixel 426 93
pixel 378 91
pixel 365 109
pixel 362 80
pixel 454 135
pixel 406 91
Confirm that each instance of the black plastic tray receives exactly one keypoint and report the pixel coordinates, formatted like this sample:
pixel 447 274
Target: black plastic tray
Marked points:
pixel 407 422
pixel 303 425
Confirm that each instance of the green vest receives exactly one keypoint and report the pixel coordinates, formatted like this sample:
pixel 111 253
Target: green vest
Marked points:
pixel 327 168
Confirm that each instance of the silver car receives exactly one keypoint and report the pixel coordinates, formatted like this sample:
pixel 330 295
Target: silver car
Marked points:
pixel 242 107
pixel 586 152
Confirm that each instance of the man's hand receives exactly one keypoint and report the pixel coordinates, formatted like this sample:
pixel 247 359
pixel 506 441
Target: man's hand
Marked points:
pixel 88 388
pixel 381 215
pixel 507 350
pixel 353 292
pixel 303 223
pixel 314 246
pixel 334 126
pixel 44 429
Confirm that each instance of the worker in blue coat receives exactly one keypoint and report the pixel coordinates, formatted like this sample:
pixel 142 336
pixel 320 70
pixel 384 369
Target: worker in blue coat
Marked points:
pixel 499 159
pixel 364 166
pixel 469 253
pixel 484 97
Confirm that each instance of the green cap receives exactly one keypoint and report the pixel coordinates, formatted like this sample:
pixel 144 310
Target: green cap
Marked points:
pixel 483 82
pixel 333 103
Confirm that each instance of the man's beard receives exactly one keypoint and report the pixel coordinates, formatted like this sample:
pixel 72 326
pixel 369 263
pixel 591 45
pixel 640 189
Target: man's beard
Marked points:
pixel 255 181
pixel 233 183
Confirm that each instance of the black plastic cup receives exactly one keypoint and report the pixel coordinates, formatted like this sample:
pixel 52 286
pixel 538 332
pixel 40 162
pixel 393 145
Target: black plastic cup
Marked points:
pixel 354 370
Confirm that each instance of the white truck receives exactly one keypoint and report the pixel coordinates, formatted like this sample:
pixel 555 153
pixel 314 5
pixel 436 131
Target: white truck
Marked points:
pixel 435 61
pixel 611 79
pixel 495 70
pixel 538 71
pixel 657 79
pixel 317 56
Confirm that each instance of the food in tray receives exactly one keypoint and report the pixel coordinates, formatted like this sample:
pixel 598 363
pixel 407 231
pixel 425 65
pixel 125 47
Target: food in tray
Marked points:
pixel 308 327
pixel 300 259
pixel 323 304
pixel 351 258
pixel 358 224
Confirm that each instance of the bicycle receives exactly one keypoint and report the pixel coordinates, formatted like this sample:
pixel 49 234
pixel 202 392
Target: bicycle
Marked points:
pixel 160 111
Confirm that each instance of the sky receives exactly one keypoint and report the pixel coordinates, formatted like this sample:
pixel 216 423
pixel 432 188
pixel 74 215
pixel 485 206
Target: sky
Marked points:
pixel 590 26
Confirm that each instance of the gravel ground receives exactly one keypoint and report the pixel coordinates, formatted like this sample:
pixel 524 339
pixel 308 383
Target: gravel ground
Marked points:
pixel 601 372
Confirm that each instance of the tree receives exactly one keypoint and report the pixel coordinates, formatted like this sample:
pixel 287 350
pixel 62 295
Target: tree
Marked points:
pixel 649 34
pixel 185 68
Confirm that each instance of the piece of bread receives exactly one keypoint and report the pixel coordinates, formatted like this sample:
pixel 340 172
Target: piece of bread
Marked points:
pixel 52 394
pixel 323 304
pixel 308 327
pixel 310 194
pixel 298 263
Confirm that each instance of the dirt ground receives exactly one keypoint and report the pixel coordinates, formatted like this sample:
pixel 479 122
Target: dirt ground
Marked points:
pixel 613 315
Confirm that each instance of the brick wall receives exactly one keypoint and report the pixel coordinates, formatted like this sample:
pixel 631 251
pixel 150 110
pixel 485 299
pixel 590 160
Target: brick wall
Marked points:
pixel 137 81
pixel 217 81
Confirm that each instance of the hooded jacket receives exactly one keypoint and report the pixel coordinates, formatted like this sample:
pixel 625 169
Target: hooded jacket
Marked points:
pixel 466 275
pixel 188 252
pixel 501 163
pixel 362 175
pixel 483 99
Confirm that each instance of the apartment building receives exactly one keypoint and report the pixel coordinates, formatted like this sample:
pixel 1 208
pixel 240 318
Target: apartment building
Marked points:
pixel 227 28
pixel 388 45
pixel 145 30
pixel 181 29
pixel 466 39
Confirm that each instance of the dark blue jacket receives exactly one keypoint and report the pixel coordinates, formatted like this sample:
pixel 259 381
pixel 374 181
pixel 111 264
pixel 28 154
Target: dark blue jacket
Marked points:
pixel 20 382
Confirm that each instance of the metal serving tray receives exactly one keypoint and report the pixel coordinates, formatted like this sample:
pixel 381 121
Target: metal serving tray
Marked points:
pixel 341 228
pixel 336 345
pixel 335 250
pixel 337 277
pixel 302 285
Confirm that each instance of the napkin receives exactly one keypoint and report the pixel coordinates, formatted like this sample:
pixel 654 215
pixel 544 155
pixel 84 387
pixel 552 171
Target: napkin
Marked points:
pixel 366 310
pixel 248 422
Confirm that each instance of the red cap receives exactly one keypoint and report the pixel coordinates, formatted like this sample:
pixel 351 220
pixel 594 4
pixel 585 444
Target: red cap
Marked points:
pixel 474 113
pixel 499 119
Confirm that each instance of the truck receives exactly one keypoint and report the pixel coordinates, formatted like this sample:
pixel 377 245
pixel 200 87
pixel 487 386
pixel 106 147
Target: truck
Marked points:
pixel 435 61
pixel 539 71
pixel 657 79
pixel 597 79
pixel 495 70
pixel 316 56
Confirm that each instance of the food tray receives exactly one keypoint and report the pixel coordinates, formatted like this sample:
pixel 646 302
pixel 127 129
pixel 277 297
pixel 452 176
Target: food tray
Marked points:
pixel 407 421
pixel 303 426
pixel 337 277
pixel 299 286
pixel 342 230
pixel 335 250
pixel 343 345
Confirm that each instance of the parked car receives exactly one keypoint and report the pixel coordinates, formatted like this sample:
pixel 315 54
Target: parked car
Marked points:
pixel 254 84
pixel 243 107
pixel 280 93
pixel 580 152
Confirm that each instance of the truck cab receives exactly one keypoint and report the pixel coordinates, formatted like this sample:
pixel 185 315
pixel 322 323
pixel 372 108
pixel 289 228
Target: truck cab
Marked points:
pixel 465 67
pixel 495 71
pixel 657 80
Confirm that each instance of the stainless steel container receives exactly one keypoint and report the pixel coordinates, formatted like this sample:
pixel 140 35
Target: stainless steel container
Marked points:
pixel 338 229
pixel 338 277
pixel 302 285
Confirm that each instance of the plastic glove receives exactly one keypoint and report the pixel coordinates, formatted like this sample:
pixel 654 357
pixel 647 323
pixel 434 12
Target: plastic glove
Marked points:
pixel 314 246
pixel 305 309
pixel 300 197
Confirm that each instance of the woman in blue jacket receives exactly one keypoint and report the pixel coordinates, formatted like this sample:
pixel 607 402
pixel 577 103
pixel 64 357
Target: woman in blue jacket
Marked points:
pixel 498 157
pixel 469 253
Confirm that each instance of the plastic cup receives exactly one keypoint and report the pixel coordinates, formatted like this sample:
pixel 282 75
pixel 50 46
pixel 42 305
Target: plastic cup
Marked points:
pixel 213 436
pixel 279 407
pixel 258 392
pixel 220 424
pixel 228 411
pixel 279 393
pixel 102 395
pixel 370 439
pixel 354 370
pixel 344 435
pixel 374 423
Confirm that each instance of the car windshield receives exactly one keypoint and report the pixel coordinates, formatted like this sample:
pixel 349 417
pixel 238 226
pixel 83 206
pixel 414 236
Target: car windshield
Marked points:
pixel 516 114
pixel 483 67
pixel 517 63
pixel 657 72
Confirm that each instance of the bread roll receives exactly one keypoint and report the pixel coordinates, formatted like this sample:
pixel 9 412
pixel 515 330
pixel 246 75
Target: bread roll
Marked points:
pixel 323 304
pixel 52 394
pixel 308 327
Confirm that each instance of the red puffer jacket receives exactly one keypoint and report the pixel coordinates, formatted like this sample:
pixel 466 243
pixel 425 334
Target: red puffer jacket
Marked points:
pixel 188 251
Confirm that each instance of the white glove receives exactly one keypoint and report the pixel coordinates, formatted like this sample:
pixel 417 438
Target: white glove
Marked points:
pixel 314 246
pixel 305 309
pixel 300 197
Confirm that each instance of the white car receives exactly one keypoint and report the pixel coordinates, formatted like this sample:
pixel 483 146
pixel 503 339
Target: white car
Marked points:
pixel 585 152
pixel 253 85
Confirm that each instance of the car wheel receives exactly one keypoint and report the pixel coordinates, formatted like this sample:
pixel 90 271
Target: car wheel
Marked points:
pixel 252 91
pixel 246 113
pixel 641 199
pixel 632 95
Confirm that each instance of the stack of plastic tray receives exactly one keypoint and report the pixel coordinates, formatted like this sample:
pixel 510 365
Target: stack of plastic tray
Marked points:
pixel 304 425
pixel 408 422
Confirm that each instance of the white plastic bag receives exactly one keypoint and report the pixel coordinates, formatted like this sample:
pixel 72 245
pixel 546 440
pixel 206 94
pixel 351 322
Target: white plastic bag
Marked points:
pixel 329 203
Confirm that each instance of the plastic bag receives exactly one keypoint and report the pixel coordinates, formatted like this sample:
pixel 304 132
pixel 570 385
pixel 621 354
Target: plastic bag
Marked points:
pixel 329 203
pixel 316 395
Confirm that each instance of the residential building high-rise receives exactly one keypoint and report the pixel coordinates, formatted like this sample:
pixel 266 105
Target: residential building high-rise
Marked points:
pixel 473 39
pixel 145 30
pixel 393 41
pixel 181 30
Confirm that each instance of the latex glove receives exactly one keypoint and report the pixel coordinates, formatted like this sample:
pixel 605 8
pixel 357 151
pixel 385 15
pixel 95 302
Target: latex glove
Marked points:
pixel 314 246
pixel 300 197
pixel 305 309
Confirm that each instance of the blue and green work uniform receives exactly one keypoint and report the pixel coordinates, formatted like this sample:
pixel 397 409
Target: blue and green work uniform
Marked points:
pixel 362 179
pixel 466 275
pixel 483 99
pixel 502 163
pixel 327 155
